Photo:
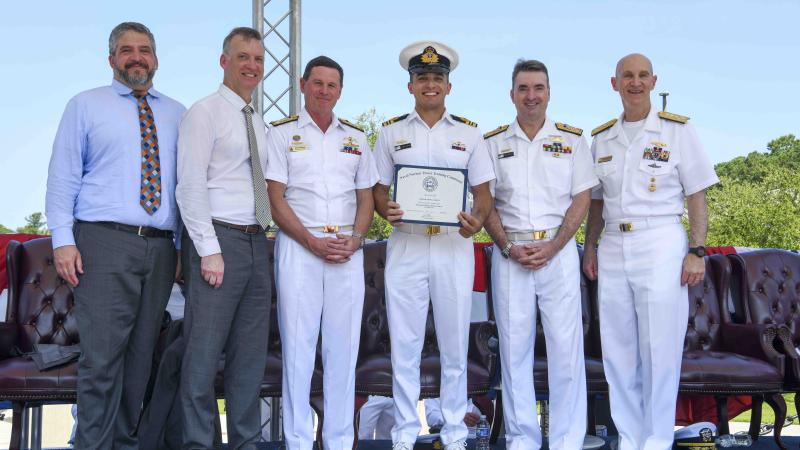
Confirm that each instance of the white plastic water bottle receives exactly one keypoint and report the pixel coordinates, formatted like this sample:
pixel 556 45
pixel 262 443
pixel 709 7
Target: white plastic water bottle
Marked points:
pixel 730 440
pixel 482 434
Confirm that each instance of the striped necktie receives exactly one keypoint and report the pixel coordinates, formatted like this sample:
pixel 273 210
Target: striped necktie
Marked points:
pixel 150 189
pixel 263 213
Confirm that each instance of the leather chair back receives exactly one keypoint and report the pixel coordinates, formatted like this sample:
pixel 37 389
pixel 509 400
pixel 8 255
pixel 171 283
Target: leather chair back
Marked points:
pixel 705 316
pixel 39 301
pixel 375 323
pixel 767 287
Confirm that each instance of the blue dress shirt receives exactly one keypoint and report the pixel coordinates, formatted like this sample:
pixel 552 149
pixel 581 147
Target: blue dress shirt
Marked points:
pixel 95 168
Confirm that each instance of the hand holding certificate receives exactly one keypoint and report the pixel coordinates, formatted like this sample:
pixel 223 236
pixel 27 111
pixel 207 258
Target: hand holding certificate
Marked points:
pixel 431 195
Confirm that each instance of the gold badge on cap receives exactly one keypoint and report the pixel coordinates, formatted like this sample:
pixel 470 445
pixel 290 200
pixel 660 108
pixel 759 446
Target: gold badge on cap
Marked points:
pixel 429 55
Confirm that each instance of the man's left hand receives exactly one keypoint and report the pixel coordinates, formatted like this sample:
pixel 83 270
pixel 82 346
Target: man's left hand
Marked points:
pixel 469 224
pixel 343 243
pixel 694 270
pixel 540 254
pixel 471 419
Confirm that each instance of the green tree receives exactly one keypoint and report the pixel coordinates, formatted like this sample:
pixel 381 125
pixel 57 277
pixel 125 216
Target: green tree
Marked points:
pixel 783 152
pixel 34 224
pixel 762 214
pixel 4 229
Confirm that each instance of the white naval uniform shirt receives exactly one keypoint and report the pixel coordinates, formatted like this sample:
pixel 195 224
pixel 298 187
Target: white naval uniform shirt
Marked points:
pixel 650 176
pixel 449 143
pixel 215 179
pixel 537 179
pixel 321 171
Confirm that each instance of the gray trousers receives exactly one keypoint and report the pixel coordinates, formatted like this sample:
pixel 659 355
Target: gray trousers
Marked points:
pixel 119 301
pixel 234 320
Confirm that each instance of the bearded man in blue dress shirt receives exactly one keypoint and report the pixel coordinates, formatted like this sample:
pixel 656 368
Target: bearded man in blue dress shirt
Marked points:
pixel 111 210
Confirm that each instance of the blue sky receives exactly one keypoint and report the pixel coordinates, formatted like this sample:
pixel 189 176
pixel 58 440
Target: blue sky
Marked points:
pixel 732 66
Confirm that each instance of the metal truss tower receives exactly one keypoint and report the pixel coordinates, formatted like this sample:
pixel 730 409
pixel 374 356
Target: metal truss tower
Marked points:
pixel 279 22
pixel 276 97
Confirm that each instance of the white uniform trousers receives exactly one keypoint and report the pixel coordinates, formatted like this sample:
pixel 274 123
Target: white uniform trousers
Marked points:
pixel 419 270
pixel 643 315
pixel 515 293
pixel 313 293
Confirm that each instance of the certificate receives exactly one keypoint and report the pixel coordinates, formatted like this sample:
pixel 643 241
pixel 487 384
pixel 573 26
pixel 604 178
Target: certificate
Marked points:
pixel 430 195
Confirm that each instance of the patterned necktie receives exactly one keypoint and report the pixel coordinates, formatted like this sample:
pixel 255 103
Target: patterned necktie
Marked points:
pixel 150 190
pixel 263 213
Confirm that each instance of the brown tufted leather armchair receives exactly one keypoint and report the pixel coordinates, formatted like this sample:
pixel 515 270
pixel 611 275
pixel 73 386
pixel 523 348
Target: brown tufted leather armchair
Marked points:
pixel 724 358
pixel 765 287
pixel 374 366
pixel 596 383
pixel 40 311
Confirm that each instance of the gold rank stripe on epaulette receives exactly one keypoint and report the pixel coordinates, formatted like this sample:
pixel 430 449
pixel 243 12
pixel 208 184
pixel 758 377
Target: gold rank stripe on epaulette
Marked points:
pixel 394 119
pixel 350 124
pixel 464 121
pixel 604 127
pixel 284 120
pixel 569 129
pixel 495 132
pixel 673 117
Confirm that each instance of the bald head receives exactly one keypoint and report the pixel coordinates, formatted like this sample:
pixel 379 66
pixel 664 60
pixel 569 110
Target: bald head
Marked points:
pixel 635 59
pixel 634 80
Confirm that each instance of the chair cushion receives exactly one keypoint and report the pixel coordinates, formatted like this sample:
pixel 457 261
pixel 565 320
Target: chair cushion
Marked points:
pixel 724 372
pixel 22 380
pixel 374 376
pixel 595 377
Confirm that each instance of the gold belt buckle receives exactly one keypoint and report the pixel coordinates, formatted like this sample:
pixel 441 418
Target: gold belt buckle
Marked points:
pixel 539 235
pixel 626 227
pixel 330 229
pixel 433 230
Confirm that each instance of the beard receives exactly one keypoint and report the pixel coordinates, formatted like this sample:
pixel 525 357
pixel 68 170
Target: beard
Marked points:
pixel 134 79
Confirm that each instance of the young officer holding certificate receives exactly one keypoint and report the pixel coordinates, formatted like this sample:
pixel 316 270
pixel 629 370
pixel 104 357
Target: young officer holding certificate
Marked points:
pixel 430 262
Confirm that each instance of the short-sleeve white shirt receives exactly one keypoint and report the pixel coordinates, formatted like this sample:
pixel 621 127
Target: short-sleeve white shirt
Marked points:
pixel 321 171
pixel 536 179
pixel 650 176
pixel 449 143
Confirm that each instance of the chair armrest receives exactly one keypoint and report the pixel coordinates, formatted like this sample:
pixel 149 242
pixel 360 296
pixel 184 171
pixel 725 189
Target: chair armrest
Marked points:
pixel 8 339
pixel 483 344
pixel 753 340
pixel 786 346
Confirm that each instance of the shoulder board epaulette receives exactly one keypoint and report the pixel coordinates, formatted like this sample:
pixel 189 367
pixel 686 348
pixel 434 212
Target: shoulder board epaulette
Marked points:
pixel 569 129
pixel 394 119
pixel 284 120
pixel 495 132
pixel 604 127
pixel 350 124
pixel 673 117
pixel 463 120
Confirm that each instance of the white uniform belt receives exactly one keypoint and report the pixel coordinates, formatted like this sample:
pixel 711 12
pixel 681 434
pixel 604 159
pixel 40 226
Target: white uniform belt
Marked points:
pixel 640 224
pixel 534 235
pixel 331 228
pixel 425 230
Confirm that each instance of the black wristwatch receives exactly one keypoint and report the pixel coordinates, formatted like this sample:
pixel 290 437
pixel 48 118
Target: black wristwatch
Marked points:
pixel 700 251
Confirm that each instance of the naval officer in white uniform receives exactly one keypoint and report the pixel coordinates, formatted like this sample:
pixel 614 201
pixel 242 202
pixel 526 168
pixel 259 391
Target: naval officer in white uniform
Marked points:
pixel 649 163
pixel 430 263
pixel 320 182
pixel 544 178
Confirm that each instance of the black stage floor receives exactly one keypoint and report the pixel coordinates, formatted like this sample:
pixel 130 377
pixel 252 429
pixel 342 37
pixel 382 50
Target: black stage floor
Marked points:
pixel 763 443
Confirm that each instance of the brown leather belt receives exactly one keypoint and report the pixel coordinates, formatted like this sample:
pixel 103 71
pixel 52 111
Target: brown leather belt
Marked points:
pixel 246 229
pixel 137 230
